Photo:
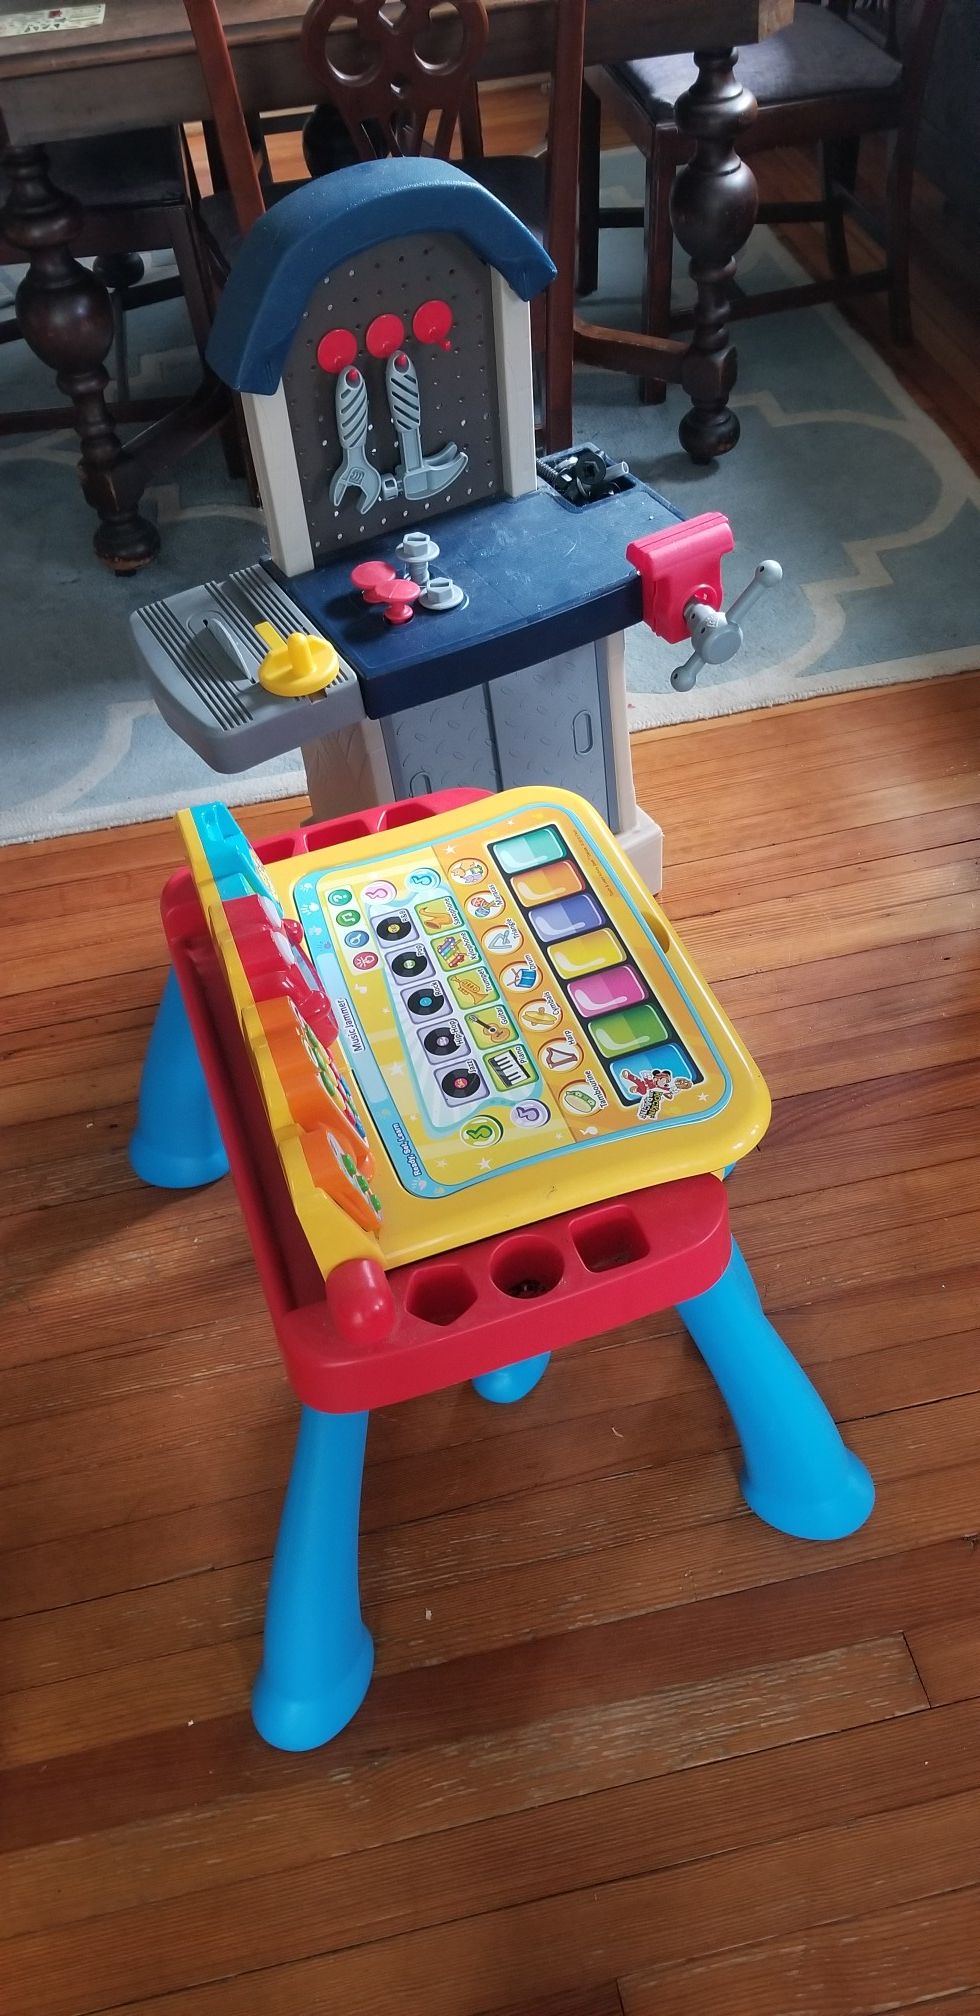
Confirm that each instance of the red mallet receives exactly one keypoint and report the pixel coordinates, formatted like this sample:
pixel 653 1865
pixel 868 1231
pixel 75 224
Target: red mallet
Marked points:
pixel 336 350
pixel 432 322
pixel 385 334
pixel 373 578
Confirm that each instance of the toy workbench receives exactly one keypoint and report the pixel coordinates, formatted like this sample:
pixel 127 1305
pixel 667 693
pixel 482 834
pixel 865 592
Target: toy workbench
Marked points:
pixel 491 1012
pixel 440 608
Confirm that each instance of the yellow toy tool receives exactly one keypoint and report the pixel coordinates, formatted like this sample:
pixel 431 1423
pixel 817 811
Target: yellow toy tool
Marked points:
pixel 297 664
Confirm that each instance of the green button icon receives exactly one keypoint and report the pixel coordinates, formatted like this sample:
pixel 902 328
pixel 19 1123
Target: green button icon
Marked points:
pixel 627 1029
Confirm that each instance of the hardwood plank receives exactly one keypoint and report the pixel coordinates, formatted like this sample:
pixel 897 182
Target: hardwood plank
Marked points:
pixel 922 1954
pixel 947 1656
pixel 571 1940
pixel 459 1726
pixel 100 1886
pixel 225 1517
pixel 603 2001
pixel 140 1643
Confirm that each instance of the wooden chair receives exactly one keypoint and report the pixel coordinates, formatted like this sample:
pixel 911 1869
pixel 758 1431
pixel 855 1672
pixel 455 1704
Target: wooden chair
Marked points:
pixel 135 197
pixel 394 91
pixel 822 79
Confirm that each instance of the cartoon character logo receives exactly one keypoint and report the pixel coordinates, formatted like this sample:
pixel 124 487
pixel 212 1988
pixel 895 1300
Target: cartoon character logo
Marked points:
pixel 652 1088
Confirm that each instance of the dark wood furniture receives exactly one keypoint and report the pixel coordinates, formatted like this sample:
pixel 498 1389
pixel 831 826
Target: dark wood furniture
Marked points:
pixel 828 78
pixel 402 99
pixel 141 69
pixel 134 193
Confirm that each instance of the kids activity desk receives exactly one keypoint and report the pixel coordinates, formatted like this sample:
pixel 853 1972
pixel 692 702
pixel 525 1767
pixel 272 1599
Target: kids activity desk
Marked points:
pixel 458 1062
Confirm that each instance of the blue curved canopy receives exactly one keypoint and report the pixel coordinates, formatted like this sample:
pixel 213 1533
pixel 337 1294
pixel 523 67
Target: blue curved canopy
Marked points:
pixel 327 221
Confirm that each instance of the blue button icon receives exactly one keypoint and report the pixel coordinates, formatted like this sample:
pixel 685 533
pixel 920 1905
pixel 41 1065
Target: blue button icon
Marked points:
pixel 355 939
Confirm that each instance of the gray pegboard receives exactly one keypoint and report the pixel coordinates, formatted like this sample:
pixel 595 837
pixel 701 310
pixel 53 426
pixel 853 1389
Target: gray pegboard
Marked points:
pixel 458 386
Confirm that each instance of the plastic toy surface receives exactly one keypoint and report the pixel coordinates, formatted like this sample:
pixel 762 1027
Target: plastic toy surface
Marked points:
pixel 432 1145
pixel 376 328
pixel 510 1014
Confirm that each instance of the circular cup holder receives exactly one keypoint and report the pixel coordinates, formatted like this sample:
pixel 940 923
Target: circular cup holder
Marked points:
pixel 527 1268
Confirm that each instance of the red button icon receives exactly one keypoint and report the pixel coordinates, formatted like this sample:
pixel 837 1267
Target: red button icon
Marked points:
pixel 365 960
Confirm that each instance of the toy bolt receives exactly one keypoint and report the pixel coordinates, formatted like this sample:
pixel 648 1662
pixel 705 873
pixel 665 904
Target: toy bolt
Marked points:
pixel 440 593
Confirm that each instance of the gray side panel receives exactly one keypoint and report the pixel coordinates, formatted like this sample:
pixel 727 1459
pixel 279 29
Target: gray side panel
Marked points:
pixel 445 747
pixel 614 811
pixel 548 723
pixel 203 654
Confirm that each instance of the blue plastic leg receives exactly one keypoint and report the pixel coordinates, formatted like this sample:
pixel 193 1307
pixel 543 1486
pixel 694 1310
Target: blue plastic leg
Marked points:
pixel 798 1474
pixel 317 1654
pixel 512 1382
pixel 176 1145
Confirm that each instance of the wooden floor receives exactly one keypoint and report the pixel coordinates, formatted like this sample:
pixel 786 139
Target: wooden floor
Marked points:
pixel 628 1751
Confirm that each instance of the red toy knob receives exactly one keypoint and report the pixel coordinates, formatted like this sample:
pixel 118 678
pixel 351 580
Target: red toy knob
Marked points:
pixel 372 577
pixel 398 597
pixel 360 1303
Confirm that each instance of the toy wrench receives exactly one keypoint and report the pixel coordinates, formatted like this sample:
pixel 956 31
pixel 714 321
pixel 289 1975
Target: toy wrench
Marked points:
pixel 418 475
pixel 351 405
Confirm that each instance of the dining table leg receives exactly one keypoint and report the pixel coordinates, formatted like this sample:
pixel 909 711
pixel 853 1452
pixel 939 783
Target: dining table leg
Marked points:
pixel 713 208
pixel 65 316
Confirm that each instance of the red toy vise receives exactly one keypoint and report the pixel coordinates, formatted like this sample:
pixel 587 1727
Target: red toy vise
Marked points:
pixel 680 570
pixel 678 566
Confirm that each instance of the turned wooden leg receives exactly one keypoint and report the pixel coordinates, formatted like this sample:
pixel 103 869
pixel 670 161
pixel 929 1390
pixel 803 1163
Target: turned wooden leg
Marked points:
pixel 838 167
pixel 589 171
pixel 713 208
pixel 899 242
pixel 65 316
pixel 658 255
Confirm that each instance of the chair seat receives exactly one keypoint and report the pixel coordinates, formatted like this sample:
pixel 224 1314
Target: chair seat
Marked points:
pixel 119 171
pixel 817 56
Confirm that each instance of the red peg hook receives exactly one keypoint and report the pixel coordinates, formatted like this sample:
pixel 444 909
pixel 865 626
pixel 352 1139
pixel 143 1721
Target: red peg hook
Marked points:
pixel 432 322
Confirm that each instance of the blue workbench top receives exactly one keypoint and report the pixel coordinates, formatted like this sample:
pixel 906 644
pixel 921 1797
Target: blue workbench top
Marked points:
pixel 541 575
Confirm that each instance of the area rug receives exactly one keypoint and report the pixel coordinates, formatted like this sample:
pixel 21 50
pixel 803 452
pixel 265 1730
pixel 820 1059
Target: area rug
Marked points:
pixel 870 510
pixel 839 475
